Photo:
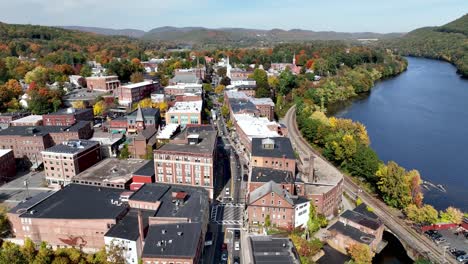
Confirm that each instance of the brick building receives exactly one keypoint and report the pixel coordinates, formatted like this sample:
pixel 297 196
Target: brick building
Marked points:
pixel 143 118
pixel 360 225
pixel 173 243
pixel 132 93
pixel 142 144
pixel 103 83
pixel 7 164
pixel 249 127
pixel 189 158
pixel 6 118
pixel 64 161
pixel 75 216
pixel 274 153
pixel 286 179
pixel 68 117
pixel 30 120
pixel 283 209
pixel 143 175
pixel 28 142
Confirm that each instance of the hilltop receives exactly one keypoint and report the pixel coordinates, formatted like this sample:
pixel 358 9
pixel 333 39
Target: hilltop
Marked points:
pixel 448 42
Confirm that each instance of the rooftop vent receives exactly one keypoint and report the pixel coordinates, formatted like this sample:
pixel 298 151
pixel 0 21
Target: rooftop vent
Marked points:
pixel 180 233
pixel 193 139
pixel 163 231
pixel 268 143
pixel 70 110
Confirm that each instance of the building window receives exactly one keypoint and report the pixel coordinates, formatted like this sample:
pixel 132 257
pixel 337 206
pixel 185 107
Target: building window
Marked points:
pixel 263 201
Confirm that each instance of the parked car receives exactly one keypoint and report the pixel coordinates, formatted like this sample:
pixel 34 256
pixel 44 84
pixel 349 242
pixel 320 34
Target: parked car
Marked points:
pixel 458 253
pixel 236 260
pixel 224 247
pixel 440 240
pixel 462 258
pixel 237 234
pixel 224 256
pixel 236 245
pixel 227 192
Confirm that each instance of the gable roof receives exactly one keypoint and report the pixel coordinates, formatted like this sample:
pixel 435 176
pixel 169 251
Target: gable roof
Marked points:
pixel 270 187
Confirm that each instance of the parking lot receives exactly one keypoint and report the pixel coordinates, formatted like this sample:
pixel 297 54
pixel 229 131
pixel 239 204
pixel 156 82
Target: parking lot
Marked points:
pixel 456 245
pixel 15 191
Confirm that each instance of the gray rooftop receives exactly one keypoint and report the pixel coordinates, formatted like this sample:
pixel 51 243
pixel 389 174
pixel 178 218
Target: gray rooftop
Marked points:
pixel 110 171
pixel 282 148
pixel 267 188
pixel 172 240
pixel 31 130
pixel 145 112
pixel 185 78
pixel 146 170
pixel 76 201
pixel 127 227
pixel 269 250
pixel 260 174
pixel 352 232
pixel 239 105
pixel 72 146
pixel 193 207
pixel 361 219
pixel 206 145
pixel 70 111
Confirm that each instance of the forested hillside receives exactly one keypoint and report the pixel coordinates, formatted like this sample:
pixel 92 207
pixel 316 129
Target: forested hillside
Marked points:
pixel 448 42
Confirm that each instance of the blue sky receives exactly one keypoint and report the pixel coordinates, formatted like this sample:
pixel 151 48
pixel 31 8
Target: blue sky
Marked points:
pixel 337 15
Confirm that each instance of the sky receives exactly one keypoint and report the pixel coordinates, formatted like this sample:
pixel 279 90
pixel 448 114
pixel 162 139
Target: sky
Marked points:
pixel 320 15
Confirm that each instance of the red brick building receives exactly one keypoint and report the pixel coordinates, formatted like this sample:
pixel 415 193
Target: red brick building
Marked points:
pixel 132 93
pixel 7 164
pixel 76 216
pixel 143 175
pixel 283 209
pixel 28 142
pixel 189 158
pixel 6 118
pixel 103 83
pixel 68 117
pixel 274 153
pixel 63 161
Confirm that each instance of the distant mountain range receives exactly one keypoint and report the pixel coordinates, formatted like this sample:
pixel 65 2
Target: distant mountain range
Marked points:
pixel 242 36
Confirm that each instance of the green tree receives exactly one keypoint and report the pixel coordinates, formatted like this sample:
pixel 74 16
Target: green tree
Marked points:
pixel 39 75
pixel 364 163
pixel 287 81
pixel 115 253
pixel 424 215
pixel 360 253
pixel 267 221
pixel 44 254
pixel 314 223
pixel 11 254
pixel 224 111
pixel 86 71
pixel 124 153
pixel 207 87
pixel 5 227
pixel 29 250
pixel 261 78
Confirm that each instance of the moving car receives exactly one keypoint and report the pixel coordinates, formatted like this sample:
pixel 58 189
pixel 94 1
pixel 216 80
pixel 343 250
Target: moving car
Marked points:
pixel 237 234
pixel 236 245
pixel 236 260
pixel 224 256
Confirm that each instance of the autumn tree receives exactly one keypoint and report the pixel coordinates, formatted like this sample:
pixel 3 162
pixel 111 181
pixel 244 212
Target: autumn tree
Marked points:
pixel 136 77
pixel 39 75
pixel 115 254
pixel 224 111
pixel 207 88
pixel 86 71
pixel 451 215
pixel 99 108
pixel 11 254
pixel 162 106
pixel 145 103
pixel 44 254
pixel 220 89
pixel 78 104
pixel 422 215
pixel 360 253
pixel 393 185
pixel 415 187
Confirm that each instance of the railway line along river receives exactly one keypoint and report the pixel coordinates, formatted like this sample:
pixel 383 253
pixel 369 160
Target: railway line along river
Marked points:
pixel 420 120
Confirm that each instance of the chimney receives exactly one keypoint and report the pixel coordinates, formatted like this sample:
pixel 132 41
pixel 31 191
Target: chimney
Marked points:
pixel 140 227
pixel 310 176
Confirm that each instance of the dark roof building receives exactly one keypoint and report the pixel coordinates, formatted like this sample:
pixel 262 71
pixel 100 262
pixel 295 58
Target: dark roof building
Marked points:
pixel 73 146
pixel 260 174
pixel 270 250
pixel 180 241
pixel 352 232
pixel 277 147
pixel 361 219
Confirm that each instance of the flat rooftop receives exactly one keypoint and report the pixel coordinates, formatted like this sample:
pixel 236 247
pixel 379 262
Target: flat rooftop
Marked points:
pixel 28 119
pixel 110 171
pixel 70 111
pixel 146 170
pixel 186 106
pixel 361 219
pixel 127 227
pixel 282 147
pixel 4 152
pixel 168 131
pixel 207 141
pixel 194 206
pixel 106 138
pixel 137 85
pixel 352 232
pixel 76 201
pixel 260 174
pixel 172 240
pixel 255 127
pixel 72 147
pixel 269 250
pixel 31 130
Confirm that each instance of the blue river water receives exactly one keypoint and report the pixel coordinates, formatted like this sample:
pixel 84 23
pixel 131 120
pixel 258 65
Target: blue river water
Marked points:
pixel 420 120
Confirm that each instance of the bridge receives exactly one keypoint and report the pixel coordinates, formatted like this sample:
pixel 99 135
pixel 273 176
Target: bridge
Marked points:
pixel 416 244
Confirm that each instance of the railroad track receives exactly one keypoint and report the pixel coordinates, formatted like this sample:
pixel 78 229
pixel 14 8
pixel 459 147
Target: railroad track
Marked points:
pixel 397 226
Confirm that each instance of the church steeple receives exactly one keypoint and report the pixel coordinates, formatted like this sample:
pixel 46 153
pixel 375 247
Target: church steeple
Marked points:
pixel 140 120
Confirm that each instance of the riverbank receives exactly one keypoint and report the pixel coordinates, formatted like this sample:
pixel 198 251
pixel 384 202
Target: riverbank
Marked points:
pixel 416 119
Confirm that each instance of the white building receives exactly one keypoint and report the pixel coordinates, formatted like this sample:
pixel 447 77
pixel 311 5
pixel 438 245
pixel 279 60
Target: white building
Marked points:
pixel 257 127
pixel 301 215
pixel 157 98
pixel 184 113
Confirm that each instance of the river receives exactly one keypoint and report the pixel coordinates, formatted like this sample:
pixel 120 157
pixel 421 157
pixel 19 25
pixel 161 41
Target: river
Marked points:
pixel 420 120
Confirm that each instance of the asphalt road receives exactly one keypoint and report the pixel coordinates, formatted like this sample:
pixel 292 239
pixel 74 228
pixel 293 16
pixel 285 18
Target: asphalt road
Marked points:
pixel 397 226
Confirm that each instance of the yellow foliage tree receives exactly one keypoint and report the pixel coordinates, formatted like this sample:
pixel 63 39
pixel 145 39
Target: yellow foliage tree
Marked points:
pixel 220 89
pixel 99 108
pixel 146 103
pixel 78 105
pixel 360 253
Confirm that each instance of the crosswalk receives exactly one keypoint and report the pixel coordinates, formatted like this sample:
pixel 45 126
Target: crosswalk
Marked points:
pixel 227 214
